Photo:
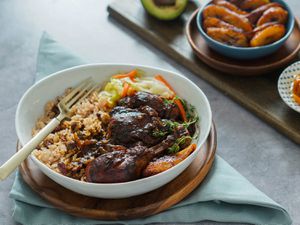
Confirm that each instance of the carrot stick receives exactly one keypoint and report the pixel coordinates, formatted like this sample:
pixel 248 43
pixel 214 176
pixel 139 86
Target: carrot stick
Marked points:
pixel 125 90
pixel 181 109
pixel 161 79
pixel 131 75
pixel 177 101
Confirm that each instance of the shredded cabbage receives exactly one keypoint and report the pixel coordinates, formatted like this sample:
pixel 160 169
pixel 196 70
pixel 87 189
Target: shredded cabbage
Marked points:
pixel 153 86
pixel 112 91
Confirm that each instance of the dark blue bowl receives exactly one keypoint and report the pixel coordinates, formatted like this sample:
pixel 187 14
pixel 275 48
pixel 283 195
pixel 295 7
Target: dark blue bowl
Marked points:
pixel 247 52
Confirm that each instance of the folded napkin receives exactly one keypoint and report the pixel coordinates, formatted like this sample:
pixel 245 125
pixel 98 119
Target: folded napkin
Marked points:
pixel 224 196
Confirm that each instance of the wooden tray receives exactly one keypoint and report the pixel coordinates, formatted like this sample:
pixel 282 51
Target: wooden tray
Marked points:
pixel 257 93
pixel 117 209
pixel 255 67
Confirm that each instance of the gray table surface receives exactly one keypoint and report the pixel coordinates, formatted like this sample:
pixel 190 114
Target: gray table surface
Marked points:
pixel 264 156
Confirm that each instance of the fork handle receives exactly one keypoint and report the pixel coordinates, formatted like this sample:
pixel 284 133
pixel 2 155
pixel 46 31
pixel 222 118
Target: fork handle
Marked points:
pixel 10 165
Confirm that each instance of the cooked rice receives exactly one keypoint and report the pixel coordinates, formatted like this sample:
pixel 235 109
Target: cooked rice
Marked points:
pixel 58 150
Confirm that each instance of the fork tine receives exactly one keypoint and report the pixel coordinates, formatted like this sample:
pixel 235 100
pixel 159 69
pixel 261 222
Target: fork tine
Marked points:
pixel 75 91
pixel 86 90
pixel 93 88
pixel 78 95
pixel 98 88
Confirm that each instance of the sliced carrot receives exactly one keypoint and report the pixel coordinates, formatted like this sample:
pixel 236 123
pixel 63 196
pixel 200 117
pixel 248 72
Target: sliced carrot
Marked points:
pixel 181 109
pixel 161 79
pixel 131 75
pixel 177 101
pixel 125 90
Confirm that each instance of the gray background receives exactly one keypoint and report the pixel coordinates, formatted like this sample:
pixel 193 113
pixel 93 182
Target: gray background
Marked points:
pixel 264 156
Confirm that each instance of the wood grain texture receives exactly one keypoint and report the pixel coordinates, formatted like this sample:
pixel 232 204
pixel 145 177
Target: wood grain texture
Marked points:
pixel 134 207
pixel 280 58
pixel 257 93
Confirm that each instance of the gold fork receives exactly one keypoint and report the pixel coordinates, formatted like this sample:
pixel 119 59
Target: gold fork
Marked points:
pixel 64 106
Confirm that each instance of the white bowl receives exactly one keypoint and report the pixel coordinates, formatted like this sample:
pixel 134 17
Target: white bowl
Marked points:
pixel 284 85
pixel 31 107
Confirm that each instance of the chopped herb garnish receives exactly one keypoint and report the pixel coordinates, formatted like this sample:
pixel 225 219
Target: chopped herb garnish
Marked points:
pixel 171 126
pixel 173 149
pixel 168 101
pixel 176 146
pixel 190 122
pixel 191 112
pixel 159 133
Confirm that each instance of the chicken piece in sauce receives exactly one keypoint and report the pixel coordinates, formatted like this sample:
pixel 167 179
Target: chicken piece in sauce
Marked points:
pixel 125 165
pixel 128 126
pixel 140 99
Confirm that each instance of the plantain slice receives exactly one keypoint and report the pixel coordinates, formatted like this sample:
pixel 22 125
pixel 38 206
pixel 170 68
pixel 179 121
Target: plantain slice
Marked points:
pixel 228 36
pixel 215 22
pixel 259 28
pixel 250 5
pixel 257 13
pixel 230 6
pixel 273 14
pixel 227 16
pixel 268 35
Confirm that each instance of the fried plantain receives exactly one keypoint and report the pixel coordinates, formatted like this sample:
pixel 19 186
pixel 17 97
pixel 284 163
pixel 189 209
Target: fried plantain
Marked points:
pixel 228 36
pixel 167 161
pixel 215 22
pixel 230 6
pixel 250 5
pixel 228 16
pixel 257 13
pixel 268 35
pixel 273 14
pixel 259 28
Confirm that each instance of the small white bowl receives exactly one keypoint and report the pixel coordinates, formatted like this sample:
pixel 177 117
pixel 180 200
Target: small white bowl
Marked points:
pixel 284 85
pixel 31 107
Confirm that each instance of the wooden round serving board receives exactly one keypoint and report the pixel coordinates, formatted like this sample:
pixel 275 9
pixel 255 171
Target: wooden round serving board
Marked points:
pixel 242 67
pixel 128 208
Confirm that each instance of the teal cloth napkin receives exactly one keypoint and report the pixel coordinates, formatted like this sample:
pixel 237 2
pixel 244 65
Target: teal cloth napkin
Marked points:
pixel 224 196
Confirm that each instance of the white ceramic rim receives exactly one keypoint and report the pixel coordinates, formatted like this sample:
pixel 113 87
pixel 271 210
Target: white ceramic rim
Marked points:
pixel 200 144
